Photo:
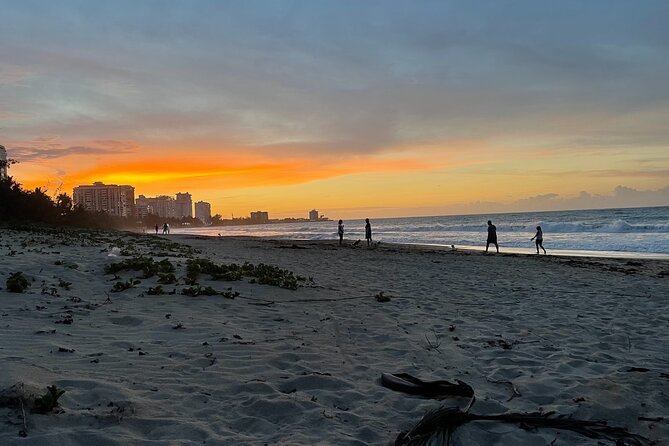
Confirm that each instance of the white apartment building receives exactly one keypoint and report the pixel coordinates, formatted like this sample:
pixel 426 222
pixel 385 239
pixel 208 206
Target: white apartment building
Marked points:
pixel 110 198
pixel 184 205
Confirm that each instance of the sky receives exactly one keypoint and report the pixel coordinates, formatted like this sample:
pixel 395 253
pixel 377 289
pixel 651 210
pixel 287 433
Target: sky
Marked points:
pixel 356 108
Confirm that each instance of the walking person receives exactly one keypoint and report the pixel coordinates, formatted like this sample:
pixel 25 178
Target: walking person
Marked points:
pixel 165 229
pixel 368 232
pixel 340 231
pixel 539 239
pixel 492 236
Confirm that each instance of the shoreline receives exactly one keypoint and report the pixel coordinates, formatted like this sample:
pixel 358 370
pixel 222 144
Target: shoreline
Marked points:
pixel 467 248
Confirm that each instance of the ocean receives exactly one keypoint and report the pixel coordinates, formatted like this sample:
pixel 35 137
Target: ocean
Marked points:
pixel 632 232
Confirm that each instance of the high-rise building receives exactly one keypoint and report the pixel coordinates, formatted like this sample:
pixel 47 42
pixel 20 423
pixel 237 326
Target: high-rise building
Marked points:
pixel 109 198
pixel 163 206
pixel 313 215
pixel 184 205
pixel 259 217
pixel 3 162
pixel 203 212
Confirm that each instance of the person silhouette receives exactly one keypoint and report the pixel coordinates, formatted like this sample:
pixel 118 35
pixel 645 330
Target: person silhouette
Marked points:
pixel 539 237
pixel 165 229
pixel 340 231
pixel 368 232
pixel 156 228
pixel 492 236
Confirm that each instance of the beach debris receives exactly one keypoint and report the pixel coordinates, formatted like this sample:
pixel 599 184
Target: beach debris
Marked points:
pixel 501 343
pixel 405 383
pixel 433 345
pixel 381 297
pixel 179 326
pixel 437 427
pixel 357 242
pixel 638 369
pixel 64 284
pixel 17 283
pixel 49 401
pixel 451 328
pixel 66 319
pixel 65 350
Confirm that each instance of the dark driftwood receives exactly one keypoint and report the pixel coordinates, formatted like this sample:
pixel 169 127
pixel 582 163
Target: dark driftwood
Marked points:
pixel 438 426
pixel 403 382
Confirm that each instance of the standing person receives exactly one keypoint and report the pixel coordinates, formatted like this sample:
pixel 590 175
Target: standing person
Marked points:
pixel 492 236
pixel 368 232
pixel 539 237
pixel 340 231
pixel 156 228
pixel 165 228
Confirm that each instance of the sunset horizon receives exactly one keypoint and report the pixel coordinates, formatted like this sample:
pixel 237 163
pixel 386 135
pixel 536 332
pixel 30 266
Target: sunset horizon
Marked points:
pixel 394 111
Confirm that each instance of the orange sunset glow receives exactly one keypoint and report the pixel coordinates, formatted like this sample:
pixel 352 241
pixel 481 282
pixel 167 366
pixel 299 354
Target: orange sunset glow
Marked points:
pixel 411 123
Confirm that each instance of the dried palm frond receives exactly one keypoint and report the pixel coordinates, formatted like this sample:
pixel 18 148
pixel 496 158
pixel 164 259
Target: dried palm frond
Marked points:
pixel 437 427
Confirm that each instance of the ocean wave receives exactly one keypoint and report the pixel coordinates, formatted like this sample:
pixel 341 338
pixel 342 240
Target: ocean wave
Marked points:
pixel 617 226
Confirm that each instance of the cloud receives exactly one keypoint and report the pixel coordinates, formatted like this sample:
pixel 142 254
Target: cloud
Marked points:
pixel 621 196
pixel 47 148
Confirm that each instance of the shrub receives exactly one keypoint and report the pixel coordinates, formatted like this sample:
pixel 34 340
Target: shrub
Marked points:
pixel 49 401
pixel 157 291
pixel 17 283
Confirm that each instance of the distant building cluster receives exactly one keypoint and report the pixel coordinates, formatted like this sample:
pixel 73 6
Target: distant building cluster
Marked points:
pixel 165 206
pixel 110 198
pixel 313 215
pixel 120 200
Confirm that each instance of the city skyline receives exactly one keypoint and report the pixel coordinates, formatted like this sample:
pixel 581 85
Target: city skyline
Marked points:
pixel 371 109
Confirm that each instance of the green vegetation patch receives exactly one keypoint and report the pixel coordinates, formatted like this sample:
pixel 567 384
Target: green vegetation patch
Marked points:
pixel 17 283
pixel 195 291
pixel 49 401
pixel 147 265
pixel 262 273
pixel 122 286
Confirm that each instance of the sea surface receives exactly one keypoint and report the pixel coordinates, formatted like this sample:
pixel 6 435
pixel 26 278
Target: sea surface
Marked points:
pixel 632 232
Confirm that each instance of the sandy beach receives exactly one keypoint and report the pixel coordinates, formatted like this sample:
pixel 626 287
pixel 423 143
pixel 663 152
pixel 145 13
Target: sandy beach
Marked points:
pixel 582 337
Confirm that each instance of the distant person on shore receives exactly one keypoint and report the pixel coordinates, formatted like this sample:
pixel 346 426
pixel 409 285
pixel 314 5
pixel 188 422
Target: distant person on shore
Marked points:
pixel 340 231
pixel 156 228
pixel 368 232
pixel 492 236
pixel 166 229
pixel 539 239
